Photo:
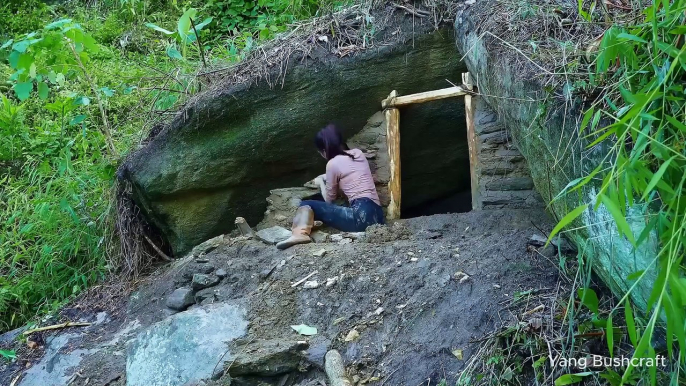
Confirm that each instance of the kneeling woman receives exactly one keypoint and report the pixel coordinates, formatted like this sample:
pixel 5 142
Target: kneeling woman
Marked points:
pixel 348 170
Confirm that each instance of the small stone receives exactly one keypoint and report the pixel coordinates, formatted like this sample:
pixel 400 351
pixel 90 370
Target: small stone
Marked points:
pixel 317 224
pixel 201 281
pixel 345 241
pixel 205 268
pixel 202 260
pixel 319 236
pixel 336 237
pixel 331 281
pixel 414 259
pixel 311 284
pixel 399 263
pixel 274 234
pixel 355 235
pixel 378 311
pixel 352 336
pixel 319 253
pixel 180 299
pixel 410 253
pixel 496 286
pixel 220 273
pixel 279 217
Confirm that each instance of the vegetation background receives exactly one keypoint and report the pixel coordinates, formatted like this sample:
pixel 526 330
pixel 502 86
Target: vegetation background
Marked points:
pixel 79 88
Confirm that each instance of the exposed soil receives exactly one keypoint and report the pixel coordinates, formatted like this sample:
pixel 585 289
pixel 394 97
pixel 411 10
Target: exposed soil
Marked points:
pixel 397 287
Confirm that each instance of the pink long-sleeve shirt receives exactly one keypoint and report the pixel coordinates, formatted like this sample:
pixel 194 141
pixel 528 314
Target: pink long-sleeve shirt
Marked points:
pixel 353 176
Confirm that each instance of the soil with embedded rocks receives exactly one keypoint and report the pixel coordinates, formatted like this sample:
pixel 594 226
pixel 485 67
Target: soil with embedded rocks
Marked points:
pixel 396 303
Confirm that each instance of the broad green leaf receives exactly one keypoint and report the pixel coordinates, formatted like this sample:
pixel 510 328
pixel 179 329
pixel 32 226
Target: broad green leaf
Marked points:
pixel 43 90
pixel 588 298
pixel 82 100
pixel 184 25
pixel 159 29
pixel 77 119
pixel 566 220
pixel 58 24
pixel 619 217
pixel 173 53
pixel 304 329
pixel 7 44
pixel 609 331
pixel 107 91
pixel 23 90
pixel 204 23
pixel 656 178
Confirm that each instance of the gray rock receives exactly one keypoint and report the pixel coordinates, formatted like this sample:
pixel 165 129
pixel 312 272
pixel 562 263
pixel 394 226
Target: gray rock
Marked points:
pixel 185 347
pixel 274 234
pixel 180 299
pixel 319 236
pixel 208 246
pixel 202 295
pixel 224 143
pixel 8 337
pixel 205 268
pixel 201 281
pixel 267 358
pixel 220 273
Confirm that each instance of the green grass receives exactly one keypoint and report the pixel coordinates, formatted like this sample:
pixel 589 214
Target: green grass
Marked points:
pixel 57 215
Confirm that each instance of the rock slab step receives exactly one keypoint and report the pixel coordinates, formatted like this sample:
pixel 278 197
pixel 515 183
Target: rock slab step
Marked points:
pixel 185 347
pixel 267 358
pixel 274 234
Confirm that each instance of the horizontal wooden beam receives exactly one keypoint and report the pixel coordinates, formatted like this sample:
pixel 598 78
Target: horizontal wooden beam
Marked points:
pixel 424 97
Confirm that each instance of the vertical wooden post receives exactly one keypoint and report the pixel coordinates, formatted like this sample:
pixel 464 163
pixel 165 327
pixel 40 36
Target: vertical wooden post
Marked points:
pixel 393 142
pixel 471 141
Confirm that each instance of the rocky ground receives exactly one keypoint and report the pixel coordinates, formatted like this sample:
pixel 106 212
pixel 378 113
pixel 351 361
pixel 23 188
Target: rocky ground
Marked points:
pixel 405 304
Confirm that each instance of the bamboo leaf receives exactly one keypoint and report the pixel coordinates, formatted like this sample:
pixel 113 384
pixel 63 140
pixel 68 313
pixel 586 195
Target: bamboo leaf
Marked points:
pixel 566 220
pixel 627 36
pixel 610 335
pixel 588 298
pixel 619 218
pixel 657 177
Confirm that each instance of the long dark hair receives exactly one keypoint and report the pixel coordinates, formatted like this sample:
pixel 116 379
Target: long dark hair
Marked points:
pixel 330 141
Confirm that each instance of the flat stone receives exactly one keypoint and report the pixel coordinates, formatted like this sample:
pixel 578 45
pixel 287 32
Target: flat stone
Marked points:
pixel 220 273
pixel 319 253
pixel 274 234
pixel 201 281
pixel 319 236
pixel 54 368
pixel 336 237
pixel 208 246
pixel 185 347
pixel 180 299
pixel 267 358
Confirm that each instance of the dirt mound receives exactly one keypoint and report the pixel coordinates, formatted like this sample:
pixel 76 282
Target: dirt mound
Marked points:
pixel 397 303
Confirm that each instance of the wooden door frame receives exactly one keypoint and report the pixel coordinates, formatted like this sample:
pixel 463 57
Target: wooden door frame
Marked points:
pixel 392 115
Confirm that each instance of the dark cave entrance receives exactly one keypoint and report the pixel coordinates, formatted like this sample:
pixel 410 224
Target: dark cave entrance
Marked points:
pixel 434 153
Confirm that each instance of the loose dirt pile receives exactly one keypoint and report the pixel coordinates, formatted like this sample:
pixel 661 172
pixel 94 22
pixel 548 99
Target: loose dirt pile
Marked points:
pixel 404 304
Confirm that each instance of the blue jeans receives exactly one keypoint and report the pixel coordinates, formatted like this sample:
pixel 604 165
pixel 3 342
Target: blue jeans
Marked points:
pixel 361 213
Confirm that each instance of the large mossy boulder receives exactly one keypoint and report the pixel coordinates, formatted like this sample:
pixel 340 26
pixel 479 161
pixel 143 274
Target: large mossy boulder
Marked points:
pixel 228 147
pixel 544 117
